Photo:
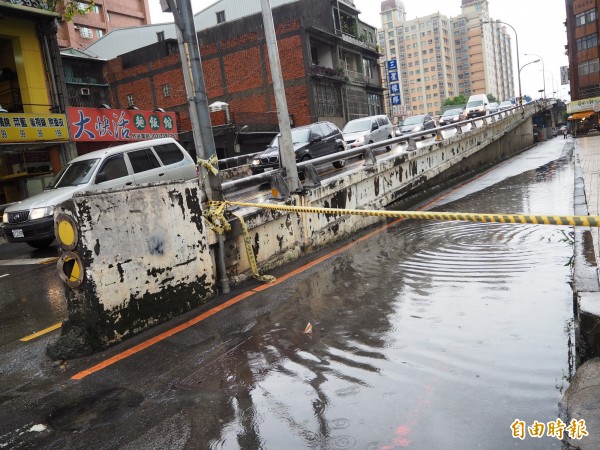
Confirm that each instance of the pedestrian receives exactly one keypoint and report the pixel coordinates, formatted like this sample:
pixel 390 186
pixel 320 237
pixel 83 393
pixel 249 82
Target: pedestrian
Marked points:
pixel 564 132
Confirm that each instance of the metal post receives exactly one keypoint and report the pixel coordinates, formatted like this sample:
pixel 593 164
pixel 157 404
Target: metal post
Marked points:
pixel 286 149
pixel 199 113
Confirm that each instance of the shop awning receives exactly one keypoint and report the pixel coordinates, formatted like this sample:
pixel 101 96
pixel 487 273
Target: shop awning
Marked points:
pixel 580 115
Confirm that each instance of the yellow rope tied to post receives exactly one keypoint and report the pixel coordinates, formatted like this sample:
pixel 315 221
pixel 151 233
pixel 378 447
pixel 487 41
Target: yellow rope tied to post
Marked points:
pixel 215 217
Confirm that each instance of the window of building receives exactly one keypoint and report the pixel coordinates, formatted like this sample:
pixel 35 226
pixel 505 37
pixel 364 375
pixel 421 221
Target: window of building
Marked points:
pixel 329 101
pixel 388 16
pixel 391 33
pixel 585 17
pixel 160 36
pixel 392 51
pixel 99 33
pixel 374 101
pixel 220 16
pixel 166 90
pixel 588 67
pixel 587 42
pixel 86 32
pixel 130 99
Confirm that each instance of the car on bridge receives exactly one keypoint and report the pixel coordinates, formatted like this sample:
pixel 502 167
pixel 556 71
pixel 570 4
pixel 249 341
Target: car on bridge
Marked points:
pixel 506 104
pixel 367 130
pixel 452 116
pixel 309 141
pixel 414 124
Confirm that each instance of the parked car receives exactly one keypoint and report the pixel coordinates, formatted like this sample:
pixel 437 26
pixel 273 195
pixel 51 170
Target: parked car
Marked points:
pixel 452 116
pixel 32 220
pixel 367 130
pixel 506 104
pixel 414 124
pixel 493 108
pixel 310 141
pixel 477 106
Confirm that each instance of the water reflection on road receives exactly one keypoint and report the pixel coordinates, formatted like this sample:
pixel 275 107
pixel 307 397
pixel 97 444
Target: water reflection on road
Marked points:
pixel 430 335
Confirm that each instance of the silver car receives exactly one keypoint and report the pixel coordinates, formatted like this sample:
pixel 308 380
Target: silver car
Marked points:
pixel 32 220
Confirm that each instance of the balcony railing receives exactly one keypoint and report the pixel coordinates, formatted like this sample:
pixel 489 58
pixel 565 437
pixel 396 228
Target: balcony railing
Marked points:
pixel 357 78
pixel 361 42
pixel 328 72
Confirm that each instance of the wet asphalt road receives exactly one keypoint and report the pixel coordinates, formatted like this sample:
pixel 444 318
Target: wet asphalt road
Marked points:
pixel 424 335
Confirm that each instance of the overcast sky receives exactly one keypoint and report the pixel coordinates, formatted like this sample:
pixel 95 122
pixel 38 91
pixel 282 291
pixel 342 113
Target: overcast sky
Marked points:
pixel 538 23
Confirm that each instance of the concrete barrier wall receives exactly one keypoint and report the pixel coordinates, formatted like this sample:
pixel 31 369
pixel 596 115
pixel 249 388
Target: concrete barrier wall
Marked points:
pixel 146 252
pixel 145 257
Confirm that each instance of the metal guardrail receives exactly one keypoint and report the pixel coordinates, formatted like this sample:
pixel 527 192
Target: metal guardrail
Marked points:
pixel 364 150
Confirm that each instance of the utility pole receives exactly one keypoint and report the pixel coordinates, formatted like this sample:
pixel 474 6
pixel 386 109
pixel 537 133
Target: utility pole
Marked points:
pixel 286 149
pixel 199 113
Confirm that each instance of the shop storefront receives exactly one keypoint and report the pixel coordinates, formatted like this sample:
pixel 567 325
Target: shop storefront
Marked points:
pixel 583 115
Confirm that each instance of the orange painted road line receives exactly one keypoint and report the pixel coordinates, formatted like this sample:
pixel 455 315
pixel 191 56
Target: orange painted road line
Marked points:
pixel 161 337
pixel 56 326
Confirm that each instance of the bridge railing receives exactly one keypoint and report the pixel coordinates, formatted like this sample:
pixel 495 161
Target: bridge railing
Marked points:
pixel 366 150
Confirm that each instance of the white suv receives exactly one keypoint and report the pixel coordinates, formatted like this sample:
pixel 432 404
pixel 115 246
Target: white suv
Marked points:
pixel 32 220
pixel 367 130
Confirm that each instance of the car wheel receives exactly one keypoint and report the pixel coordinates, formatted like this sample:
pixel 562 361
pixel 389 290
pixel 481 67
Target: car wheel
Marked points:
pixel 342 162
pixel 42 243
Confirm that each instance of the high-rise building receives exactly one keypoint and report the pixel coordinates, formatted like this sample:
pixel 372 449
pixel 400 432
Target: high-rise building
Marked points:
pixel 99 18
pixel 440 57
pixel 582 49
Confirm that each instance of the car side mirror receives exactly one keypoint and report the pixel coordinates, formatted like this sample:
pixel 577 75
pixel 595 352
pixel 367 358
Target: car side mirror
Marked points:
pixel 317 139
pixel 375 127
pixel 101 178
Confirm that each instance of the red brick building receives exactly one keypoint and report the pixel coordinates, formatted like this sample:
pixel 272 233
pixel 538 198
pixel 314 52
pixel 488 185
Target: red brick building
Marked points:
pixel 328 60
pixel 583 26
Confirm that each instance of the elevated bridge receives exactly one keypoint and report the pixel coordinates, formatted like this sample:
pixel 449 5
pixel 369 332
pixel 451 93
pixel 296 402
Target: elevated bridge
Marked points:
pixel 136 257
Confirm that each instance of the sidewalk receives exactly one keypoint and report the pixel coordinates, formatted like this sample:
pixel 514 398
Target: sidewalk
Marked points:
pixel 581 401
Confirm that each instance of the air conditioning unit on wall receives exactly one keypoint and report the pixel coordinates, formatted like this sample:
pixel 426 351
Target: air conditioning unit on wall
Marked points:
pixel 85 91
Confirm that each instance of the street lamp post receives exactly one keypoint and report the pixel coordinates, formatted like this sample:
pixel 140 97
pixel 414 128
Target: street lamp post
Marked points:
pixel 518 64
pixel 543 69
pixel 525 65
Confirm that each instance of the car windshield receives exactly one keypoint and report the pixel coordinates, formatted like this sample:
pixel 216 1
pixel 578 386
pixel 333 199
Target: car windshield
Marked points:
pixel 299 136
pixel 493 105
pixel 506 104
pixel 74 174
pixel 355 126
pixel 474 103
pixel 413 120
pixel 452 112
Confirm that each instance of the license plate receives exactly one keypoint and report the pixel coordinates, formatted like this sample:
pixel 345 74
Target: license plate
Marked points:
pixel 18 233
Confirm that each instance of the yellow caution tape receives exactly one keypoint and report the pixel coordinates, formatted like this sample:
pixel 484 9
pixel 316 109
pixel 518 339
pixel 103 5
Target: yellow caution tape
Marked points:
pixel 578 221
pixel 250 253
pixel 215 217
pixel 209 164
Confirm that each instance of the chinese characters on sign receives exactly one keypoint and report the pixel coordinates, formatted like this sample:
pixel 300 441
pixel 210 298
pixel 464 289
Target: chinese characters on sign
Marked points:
pixel 557 429
pixel 392 66
pixel 114 125
pixel 21 127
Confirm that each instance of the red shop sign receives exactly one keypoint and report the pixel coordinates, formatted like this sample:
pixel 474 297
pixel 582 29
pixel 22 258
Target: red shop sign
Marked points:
pixel 116 125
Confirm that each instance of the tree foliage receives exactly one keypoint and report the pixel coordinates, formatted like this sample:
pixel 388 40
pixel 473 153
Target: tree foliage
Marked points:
pixel 69 8
pixel 458 100
pixel 492 98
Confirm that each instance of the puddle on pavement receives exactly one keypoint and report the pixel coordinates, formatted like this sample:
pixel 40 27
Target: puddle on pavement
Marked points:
pixel 429 335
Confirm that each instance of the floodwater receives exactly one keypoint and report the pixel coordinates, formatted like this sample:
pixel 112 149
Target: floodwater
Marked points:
pixel 429 335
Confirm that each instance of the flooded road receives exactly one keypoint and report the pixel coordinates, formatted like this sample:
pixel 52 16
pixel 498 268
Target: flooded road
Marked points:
pixel 430 335
pixel 424 335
